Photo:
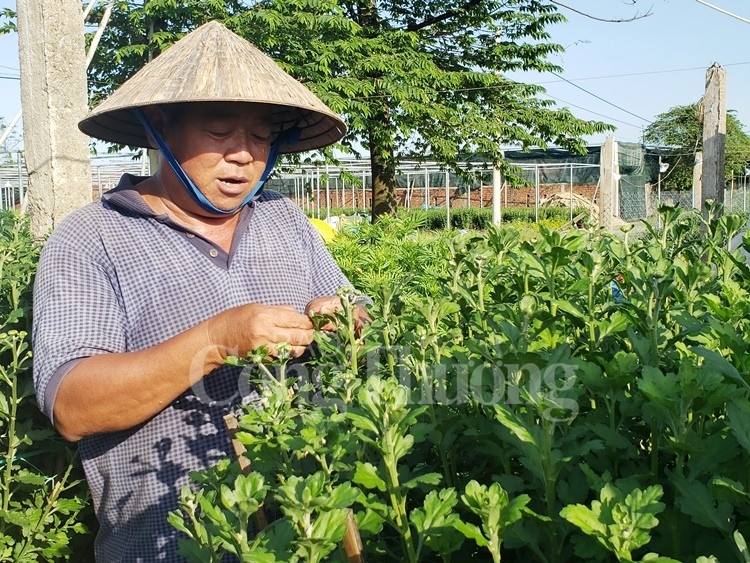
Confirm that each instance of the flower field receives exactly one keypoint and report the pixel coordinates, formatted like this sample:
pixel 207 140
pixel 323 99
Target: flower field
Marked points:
pixel 507 402
pixel 520 395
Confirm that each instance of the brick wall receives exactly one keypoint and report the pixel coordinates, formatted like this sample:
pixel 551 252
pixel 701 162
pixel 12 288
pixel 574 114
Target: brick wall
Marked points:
pixel 513 197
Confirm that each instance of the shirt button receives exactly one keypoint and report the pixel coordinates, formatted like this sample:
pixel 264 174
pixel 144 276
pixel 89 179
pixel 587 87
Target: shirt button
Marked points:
pixel 189 235
pixel 213 253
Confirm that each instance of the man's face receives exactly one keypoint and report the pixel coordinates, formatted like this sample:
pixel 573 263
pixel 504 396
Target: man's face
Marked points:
pixel 223 148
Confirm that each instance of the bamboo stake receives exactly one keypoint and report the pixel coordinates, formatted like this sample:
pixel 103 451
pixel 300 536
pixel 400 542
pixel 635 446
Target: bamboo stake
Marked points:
pixel 352 541
pixel 230 421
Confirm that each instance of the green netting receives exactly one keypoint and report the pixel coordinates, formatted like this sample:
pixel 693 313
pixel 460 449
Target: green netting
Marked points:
pixel 557 166
pixel 635 173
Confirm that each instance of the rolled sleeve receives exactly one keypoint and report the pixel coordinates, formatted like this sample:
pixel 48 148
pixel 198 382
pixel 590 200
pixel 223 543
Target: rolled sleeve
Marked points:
pixel 77 313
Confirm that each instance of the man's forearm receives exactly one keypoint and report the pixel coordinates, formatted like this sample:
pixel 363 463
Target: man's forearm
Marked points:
pixel 111 392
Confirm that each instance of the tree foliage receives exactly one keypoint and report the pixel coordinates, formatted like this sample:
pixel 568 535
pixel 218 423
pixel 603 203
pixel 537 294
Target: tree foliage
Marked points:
pixel 423 79
pixel 7 21
pixel 679 135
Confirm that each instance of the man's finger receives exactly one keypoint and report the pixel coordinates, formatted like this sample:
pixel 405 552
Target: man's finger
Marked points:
pixel 289 318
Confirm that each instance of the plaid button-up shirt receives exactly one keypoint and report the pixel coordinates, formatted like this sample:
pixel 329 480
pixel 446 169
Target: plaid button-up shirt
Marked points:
pixel 116 277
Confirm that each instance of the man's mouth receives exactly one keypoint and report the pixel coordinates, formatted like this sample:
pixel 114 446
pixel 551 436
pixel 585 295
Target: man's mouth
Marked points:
pixel 232 184
pixel 233 180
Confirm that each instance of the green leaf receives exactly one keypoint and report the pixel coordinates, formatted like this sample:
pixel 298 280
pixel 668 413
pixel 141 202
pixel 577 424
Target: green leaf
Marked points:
pixel 512 423
pixel 342 496
pixel 585 518
pixel 695 500
pixel 621 523
pixel 663 389
pixel 654 558
pixel 618 322
pixel 738 419
pixel 363 422
pixel 472 532
pixel 569 307
pixel 366 474
pixel 714 362
pixel 741 544
pixel 369 521
pixel 437 507
pixel 426 479
pixel 330 526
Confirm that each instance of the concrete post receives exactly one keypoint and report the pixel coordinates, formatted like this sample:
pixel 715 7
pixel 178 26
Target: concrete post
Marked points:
pixel 714 136
pixel 54 98
pixel 608 176
pixel 497 186
pixel 697 181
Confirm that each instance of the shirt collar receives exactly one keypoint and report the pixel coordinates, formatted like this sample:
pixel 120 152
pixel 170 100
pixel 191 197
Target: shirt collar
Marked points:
pixel 125 197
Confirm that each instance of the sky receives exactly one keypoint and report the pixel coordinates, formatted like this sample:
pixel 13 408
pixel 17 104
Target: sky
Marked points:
pixel 625 74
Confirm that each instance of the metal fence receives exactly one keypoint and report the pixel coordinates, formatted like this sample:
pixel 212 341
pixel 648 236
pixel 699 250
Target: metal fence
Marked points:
pixel 106 171
pixel 324 189
pixel 737 197
pixel 13 180
pixel 736 200
pixel 321 189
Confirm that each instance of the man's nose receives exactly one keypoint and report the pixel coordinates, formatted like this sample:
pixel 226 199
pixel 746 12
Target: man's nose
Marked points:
pixel 247 148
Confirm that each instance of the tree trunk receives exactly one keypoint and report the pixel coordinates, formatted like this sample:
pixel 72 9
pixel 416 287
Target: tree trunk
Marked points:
pixel 383 178
pixel 380 140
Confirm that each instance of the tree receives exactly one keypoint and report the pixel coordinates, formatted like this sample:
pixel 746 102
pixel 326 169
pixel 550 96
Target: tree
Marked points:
pixel 422 79
pixel 678 135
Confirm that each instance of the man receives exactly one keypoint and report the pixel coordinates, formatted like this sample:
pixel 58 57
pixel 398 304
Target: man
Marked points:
pixel 141 297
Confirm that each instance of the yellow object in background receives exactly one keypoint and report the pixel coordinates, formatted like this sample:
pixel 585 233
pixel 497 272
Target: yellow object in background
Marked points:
pixel 326 231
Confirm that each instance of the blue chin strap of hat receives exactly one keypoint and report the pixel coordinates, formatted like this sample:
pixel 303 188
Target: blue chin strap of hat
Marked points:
pixel 287 137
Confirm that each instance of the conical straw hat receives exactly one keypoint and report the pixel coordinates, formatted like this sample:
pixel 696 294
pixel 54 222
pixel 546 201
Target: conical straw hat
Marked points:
pixel 212 64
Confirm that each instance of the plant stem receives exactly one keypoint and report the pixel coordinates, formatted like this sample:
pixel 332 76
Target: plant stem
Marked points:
pixel 398 503
pixel 480 297
pixel 592 328
pixel 549 486
pixel 386 318
pixel 12 439
pixel 655 452
pixel 654 311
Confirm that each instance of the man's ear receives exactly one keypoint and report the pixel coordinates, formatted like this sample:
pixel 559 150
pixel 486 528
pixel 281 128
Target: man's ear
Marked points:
pixel 158 120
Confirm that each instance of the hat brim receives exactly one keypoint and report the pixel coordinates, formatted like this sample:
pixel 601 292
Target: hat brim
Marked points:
pixel 317 129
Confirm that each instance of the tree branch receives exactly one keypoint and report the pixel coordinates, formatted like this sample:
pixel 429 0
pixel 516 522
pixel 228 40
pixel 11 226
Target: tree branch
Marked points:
pixel 442 17
pixel 635 17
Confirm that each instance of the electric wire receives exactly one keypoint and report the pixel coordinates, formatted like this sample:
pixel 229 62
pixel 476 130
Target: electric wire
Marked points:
pixel 645 73
pixel 590 111
pixel 582 89
pixel 723 11
pixel 572 82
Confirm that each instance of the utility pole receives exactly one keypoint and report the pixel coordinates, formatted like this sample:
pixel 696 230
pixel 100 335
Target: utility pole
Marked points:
pixel 714 136
pixel 54 98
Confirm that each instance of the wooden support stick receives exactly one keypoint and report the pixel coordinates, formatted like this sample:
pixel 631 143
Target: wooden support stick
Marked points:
pixel 352 541
pixel 230 420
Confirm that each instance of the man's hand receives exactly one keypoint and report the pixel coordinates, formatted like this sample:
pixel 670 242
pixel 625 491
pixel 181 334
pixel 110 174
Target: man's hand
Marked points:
pixel 243 329
pixel 329 305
